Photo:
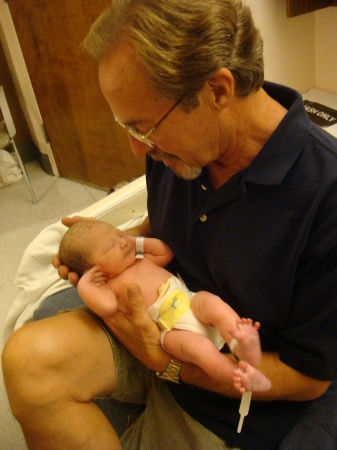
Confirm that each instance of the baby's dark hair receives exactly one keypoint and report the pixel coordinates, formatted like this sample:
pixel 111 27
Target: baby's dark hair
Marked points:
pixel 73 250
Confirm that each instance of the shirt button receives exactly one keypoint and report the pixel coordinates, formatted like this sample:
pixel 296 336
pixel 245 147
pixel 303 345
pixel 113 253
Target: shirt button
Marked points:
pixel 203 218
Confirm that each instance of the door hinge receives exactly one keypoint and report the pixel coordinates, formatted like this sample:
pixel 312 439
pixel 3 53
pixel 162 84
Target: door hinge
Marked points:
pixel 46 138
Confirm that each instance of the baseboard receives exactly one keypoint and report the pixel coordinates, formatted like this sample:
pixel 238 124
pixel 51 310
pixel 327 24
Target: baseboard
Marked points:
pixel 45 164
pixel 28 151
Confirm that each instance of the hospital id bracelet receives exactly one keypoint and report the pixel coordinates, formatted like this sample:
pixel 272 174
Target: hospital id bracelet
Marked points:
pixel 172 372
pixel 140 247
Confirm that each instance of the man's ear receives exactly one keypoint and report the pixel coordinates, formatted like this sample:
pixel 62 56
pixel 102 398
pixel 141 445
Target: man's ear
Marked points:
pixel 221 84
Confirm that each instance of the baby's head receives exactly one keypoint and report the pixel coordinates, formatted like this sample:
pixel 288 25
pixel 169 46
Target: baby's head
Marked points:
pixel 77 245
pixel 92 242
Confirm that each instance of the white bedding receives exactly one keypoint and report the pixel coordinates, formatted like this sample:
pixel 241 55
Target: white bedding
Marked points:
pixel 37 279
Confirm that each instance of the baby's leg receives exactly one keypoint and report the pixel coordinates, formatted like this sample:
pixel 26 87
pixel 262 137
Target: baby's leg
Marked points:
pixel 247 378
pixel 246 343
pixel 211 310
pixel 191 347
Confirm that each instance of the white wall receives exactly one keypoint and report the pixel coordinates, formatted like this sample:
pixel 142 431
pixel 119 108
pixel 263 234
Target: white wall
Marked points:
pixel 300 52
pixel 289 44
pixel 326 49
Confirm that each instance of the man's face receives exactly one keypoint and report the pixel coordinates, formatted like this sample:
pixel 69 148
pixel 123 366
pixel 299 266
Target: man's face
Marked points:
pixel 185 142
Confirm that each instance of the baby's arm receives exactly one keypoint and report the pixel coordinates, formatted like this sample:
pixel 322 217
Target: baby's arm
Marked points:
pixel 96 293
pixel 157 251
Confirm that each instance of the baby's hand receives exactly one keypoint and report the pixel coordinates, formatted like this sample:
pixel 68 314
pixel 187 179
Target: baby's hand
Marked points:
pixel 95 291
pixel 96 276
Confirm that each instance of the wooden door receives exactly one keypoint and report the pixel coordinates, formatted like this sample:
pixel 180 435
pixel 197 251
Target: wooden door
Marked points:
pixel 87 145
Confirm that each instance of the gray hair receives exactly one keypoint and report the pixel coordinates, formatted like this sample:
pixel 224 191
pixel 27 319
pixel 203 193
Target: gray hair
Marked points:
pixel 181 43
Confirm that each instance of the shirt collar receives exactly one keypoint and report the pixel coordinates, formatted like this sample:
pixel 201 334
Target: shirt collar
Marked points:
pixel 283 147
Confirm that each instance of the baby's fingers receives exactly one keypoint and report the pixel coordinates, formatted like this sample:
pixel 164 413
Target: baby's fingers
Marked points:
pixel 97 276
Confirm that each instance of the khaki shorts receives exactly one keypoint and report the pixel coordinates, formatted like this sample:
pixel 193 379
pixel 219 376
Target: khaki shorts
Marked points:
pixel 162 424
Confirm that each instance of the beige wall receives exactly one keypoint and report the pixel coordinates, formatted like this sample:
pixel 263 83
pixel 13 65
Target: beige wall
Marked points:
pixel 299 52
pixel 326 49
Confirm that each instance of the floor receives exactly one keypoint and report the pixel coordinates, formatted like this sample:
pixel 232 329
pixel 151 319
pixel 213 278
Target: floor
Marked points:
pixel 20 222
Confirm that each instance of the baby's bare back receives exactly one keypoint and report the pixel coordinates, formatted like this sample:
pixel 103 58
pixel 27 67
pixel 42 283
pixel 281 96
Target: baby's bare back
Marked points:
pixel 146 274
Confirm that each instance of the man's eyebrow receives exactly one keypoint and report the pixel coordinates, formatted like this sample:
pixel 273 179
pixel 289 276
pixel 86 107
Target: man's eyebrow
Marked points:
pixel 135 122
pixel 132 123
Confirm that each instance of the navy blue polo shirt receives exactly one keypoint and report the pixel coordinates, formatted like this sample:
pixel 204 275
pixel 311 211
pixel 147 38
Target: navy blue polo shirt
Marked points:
pixel 265 242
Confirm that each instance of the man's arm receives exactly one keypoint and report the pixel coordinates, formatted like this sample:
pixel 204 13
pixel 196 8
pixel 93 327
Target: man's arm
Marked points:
pixel 143 229
pixel 287 383
pixel 140 335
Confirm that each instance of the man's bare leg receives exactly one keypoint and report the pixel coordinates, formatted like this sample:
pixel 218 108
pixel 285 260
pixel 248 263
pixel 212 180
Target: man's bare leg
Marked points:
pixel 52 370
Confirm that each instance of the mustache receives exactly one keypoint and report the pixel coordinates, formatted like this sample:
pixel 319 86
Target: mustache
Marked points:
pixel 187 171
pixel 159 155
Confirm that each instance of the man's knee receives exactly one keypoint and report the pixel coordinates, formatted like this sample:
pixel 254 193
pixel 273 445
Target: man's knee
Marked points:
pixel 29 361
pixel 46 361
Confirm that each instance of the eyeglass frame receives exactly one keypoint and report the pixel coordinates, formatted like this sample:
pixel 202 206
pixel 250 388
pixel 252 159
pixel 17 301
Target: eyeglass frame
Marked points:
pixel 144 137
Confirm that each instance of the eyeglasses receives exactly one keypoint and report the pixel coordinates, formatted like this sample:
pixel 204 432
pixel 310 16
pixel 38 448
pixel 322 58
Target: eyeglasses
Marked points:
pixel 144 137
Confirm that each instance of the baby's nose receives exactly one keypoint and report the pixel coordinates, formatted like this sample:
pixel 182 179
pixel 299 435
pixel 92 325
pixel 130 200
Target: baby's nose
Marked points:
pixel 123 242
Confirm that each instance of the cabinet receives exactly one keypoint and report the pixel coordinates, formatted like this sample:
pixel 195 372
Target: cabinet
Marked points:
pixel 297 7
pixel 86 143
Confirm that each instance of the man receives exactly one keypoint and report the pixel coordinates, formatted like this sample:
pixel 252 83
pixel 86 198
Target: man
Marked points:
pixel 243 188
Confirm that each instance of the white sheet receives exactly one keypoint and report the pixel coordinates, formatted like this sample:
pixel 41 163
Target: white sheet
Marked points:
pixel 37 279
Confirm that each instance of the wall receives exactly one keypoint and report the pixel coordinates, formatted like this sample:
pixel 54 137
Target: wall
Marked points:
pixel 326 49
pixel 300 52
pixel 289 44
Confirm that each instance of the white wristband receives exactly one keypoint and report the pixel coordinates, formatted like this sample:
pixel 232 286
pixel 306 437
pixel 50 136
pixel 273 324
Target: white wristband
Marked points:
pixel 140 247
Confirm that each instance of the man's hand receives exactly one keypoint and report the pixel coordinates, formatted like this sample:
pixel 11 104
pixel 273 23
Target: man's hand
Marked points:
pixel 63 270
pixel 138 333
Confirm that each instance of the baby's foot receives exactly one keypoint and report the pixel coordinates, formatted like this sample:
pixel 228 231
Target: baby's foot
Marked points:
pixel 248 345
pixel 247 378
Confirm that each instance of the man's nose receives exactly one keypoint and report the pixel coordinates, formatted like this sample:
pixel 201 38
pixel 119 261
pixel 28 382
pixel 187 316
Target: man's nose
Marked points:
pixel 138 148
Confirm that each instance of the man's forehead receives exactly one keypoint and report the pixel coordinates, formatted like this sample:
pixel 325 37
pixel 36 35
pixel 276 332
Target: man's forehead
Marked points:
pixel 122 70
pixel 128 89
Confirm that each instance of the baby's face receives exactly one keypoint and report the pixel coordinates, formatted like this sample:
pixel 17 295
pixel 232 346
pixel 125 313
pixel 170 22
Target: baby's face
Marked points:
pixel 113 250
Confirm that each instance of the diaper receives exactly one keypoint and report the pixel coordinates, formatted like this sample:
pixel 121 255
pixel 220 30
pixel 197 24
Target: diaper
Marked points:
pixel 172 309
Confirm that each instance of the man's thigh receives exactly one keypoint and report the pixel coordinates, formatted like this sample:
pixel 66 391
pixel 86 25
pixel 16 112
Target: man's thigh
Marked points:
pixel 318 429
pixel 64 300
pixel 74 351
pixel 121 376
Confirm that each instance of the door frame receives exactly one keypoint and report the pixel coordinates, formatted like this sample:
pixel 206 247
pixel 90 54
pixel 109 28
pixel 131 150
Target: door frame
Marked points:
pixel 23 85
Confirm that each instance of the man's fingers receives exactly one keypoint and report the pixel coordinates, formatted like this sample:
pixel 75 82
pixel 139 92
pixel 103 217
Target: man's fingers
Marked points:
pixel 56 262
pixel 63 272
pixel 73 278
pixel 135 296
pixel 70 221
pixel 137 305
